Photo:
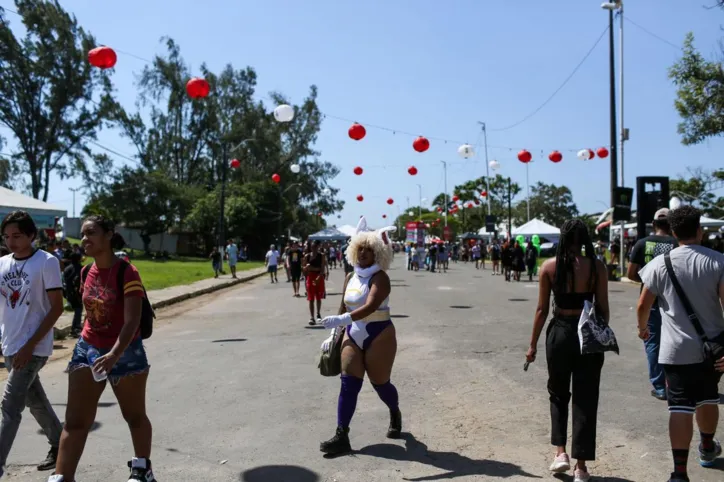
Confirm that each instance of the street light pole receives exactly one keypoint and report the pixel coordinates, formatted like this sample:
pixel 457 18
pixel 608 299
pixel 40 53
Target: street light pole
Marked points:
pixel 74 190
pixel 444 170
pixel 611 6
pixel 419 207
pixel 487 166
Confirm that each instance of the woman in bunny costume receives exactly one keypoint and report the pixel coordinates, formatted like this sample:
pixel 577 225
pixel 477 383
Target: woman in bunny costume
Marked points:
pixel 370 342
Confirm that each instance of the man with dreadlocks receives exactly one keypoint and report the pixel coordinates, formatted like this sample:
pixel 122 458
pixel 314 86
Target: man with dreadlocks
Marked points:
pixel 573 278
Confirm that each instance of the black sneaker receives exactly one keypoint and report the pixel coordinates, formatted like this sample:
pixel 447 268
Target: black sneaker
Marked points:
pixel 337 445
pixel 139 474
pixel 50 459
pixel 395 430
pixel 678 477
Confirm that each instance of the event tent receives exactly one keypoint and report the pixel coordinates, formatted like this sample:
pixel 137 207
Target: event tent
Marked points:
pixel 536 226
pixel 347 229
pixel 328 234
pixel 43 214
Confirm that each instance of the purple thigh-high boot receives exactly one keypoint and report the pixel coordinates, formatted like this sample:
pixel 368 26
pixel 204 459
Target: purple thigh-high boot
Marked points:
pixel 347 402
pixel 388 394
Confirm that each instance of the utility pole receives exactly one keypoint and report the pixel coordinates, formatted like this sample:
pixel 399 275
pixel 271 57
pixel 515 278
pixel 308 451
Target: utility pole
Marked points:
pixel 510 210
pixel 487 166
pixel 224 170
pixel 419 207
pixel 444 170
pixel 612 101
pixel 74 190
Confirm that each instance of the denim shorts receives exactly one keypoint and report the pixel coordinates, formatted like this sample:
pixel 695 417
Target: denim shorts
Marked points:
pixel 132 362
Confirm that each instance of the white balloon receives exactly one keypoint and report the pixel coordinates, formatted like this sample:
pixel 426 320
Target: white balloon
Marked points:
pixel 494 165
pixel 584 154
pixel 410 213
pixel 631 233
pixel 284 113
pixel 326 191
pixel 674 203
pixel 294 168
pixel 466 151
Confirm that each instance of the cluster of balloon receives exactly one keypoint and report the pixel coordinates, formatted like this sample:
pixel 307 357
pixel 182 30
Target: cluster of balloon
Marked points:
pixel 588 154
pixel 102 57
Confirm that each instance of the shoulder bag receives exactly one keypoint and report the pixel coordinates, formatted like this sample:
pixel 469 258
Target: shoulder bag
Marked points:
pixel 713 349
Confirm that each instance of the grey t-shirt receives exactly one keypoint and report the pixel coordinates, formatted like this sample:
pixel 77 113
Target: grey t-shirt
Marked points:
pixel 699 270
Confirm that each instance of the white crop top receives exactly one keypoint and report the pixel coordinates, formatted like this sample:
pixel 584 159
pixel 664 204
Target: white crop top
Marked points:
pixel 356 295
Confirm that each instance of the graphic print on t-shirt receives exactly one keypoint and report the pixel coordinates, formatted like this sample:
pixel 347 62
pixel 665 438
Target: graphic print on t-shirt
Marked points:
pixel 15 288
pixel 656 248
pixel 98 304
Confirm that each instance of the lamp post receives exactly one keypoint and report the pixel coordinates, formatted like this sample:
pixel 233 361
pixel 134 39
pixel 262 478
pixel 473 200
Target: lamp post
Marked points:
pixel 444 170
pixel 487 165
pixel 74 190
pixel 419 207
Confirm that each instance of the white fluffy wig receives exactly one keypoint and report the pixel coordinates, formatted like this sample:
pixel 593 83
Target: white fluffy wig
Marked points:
pixel 378 241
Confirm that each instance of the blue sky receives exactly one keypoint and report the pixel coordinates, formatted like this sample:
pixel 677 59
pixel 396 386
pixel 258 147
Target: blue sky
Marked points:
pixel 433 68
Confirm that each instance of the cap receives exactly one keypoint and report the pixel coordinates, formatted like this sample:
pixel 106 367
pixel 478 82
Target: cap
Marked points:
pixel 662 213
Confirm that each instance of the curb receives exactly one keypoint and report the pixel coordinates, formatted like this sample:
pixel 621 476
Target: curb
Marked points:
pixel 64 332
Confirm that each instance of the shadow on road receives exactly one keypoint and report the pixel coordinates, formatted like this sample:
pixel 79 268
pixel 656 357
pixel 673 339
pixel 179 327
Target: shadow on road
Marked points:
pixel 399 316
pixel 314 327
pixel 569 478
pixel 461 307
pixel 518 299
pixel 229 340
pixel 454 464
pixel 278 473
pixel 59 347
pixel 100 404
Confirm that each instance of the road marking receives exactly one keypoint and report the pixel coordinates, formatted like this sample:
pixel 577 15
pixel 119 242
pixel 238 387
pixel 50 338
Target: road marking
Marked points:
pixel 446 288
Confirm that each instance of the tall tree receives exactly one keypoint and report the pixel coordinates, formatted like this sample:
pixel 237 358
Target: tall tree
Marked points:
pixel 47 90
pixel 549 203
pixel 700 94
pixel 699 187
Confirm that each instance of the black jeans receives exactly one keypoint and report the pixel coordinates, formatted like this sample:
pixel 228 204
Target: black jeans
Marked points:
pixel 565 362
pixel 77 315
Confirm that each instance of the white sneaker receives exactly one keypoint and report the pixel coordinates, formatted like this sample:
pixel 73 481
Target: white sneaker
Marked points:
pixel 56 478
pixel 581 476
pixel 561 464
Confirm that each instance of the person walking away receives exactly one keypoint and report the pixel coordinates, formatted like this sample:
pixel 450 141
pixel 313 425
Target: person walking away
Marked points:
pixel 332 256
pixel 271 261
pixel 316 270
pixel 32 293
pixel 693 381
pixel 294 262
pixel 348 268
pixel 518 260
pixel 531 259
pixel 483 253
pixel 215 258
pixel 432 253
pixel 442 256
pixel 573 279
pixel 495 256
pixel 232 253
pixel 476 255
pixel 370 341
pixel 71 291
pixel 645 250
pixel 507 259
pixel 110 349
pixel 285 263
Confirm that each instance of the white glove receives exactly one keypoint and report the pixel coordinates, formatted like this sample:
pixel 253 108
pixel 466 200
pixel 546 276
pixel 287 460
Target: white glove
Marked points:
pixel 327 344
pixel 337 320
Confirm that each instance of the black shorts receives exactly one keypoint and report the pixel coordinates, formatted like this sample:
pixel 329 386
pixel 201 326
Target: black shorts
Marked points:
pixel 691 386
pixel 295 273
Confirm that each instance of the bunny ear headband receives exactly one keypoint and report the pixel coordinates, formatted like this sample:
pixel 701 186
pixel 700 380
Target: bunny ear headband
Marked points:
pixel 381 233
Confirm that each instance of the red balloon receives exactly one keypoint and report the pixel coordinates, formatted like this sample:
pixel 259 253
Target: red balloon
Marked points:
pixel 360 198
pixel 421 144
pixel 319 214
pixel 439 209
pixel 602 152
pixel 358 170
pixel 197 88
pixel 384 216
pixel 390 201
pixel 484 194
pixel 412 170
pixel 276 178
pixel 470 205
pixel 235 163
pixel 102 57
pixel 555 156
pixel 455 199
pixel 357 132
pixel 591 154
pixel 524 156
pixel 437 220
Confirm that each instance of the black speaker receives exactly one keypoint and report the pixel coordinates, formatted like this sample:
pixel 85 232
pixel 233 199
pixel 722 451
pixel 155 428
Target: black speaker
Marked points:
pixel 652 194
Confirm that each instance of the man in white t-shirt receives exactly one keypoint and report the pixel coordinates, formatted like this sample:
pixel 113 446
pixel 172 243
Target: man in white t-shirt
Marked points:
pixel 271 260
pixel 31 301
pixel 232 254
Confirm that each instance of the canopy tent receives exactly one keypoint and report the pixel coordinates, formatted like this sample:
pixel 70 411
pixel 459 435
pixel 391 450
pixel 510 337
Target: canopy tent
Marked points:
pixel 710 222
pixel 536 226
pixel 347 229
pixel 43 214
pixel 328 234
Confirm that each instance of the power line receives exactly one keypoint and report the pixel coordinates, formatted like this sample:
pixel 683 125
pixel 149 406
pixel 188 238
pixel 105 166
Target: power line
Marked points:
pixel 650 33
pixel 112 151
pixel 570 76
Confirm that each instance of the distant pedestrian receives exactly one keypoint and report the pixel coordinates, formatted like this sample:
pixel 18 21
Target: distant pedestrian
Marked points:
pixel 110 349
pixel 531 259
pixel 215 258
pixel 32 289
pixel 71 291
pixel 495 256
pixel 232 254
pixel 316 270
pixel 294 262
pixel 271 261
pixel 573 279
pixel 518 260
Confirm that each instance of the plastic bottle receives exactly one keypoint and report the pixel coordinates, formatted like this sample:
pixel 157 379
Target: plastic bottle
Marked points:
pixel 93 355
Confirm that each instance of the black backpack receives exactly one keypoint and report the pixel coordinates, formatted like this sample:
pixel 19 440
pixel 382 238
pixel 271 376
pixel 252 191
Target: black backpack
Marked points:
pixel 147 313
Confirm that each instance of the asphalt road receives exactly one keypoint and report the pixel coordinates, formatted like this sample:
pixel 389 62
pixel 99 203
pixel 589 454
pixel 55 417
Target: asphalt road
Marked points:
pixel 235 394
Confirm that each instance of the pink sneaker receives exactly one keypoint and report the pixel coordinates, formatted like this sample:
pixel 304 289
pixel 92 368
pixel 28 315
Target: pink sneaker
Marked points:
pixel 581 476
pixel 561 464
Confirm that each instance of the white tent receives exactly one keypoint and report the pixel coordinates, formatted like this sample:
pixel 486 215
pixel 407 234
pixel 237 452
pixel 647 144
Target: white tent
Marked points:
pixel 43 214
pixel 536 226
pixel 347 229
pixel 328 234
pixel 710 222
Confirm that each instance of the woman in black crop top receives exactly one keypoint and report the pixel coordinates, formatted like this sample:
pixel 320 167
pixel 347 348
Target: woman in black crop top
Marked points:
pixel 573 278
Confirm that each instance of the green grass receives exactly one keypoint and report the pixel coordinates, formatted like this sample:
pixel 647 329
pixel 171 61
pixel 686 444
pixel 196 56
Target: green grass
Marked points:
pixel 159 274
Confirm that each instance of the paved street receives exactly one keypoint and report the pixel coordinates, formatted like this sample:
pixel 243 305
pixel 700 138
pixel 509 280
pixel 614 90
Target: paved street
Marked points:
pixel 235 394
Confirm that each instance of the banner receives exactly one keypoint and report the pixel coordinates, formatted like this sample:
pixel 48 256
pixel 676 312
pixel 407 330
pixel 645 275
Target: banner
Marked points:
pixel 411 232
pixel 447 233
pixel 420 234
